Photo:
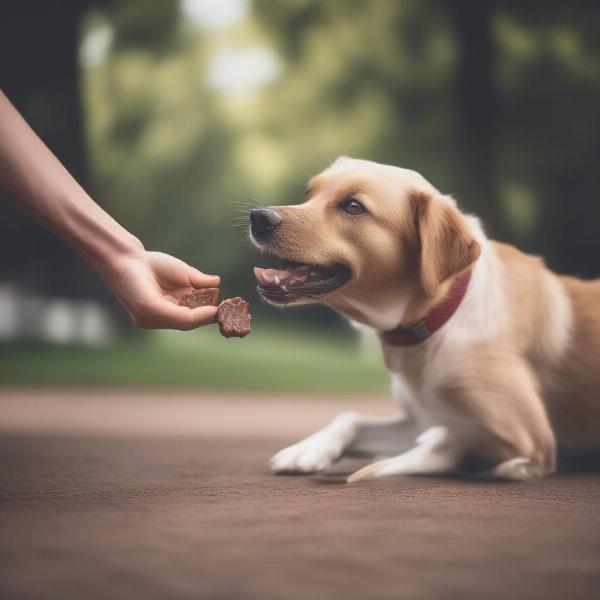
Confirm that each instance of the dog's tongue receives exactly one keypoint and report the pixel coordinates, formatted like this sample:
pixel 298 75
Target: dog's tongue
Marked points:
pixel 276 277
pixel 270 276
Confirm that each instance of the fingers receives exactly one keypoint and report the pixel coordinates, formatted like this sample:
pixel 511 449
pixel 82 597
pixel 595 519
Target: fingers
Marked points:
pixel 177 273
pixel 164 314
pixel 200 280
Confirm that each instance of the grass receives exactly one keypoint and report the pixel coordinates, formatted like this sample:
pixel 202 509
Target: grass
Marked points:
pixel 287 360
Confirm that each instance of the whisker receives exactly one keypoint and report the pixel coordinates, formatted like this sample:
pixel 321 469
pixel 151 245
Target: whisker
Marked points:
pixel 257 202
pixel 241 208
pixel 250 203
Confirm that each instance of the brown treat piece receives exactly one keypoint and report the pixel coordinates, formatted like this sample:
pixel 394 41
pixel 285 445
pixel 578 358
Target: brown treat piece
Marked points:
pixel 234 317
pixel 201 297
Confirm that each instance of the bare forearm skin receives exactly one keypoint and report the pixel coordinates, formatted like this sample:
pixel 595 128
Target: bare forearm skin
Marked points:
pixel 148 284
pixel 33 178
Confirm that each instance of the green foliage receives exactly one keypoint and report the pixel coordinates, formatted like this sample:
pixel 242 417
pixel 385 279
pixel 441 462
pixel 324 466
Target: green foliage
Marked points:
pixel 173 155
pixel 495 101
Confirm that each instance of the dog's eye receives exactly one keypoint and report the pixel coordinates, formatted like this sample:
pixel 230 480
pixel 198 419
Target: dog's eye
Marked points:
pixel 353 207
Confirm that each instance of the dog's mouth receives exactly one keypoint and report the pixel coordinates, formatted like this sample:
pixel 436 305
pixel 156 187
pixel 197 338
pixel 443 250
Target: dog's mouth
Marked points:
pixel 298 282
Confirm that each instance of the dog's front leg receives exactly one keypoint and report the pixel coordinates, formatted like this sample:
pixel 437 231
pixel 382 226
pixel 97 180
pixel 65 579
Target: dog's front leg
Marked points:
pixel 350 432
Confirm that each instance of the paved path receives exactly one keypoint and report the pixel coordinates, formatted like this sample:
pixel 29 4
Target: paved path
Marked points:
pixel 127 496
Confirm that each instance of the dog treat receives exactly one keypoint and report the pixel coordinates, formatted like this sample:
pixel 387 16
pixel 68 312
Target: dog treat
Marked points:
pixel 234 318
pixel 233 315
pixel 202 297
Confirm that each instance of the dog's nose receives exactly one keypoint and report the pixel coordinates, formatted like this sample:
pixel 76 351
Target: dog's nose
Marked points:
pixel 264 221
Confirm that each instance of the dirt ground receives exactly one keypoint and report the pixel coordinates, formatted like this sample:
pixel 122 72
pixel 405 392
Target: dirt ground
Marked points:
pixel 166 495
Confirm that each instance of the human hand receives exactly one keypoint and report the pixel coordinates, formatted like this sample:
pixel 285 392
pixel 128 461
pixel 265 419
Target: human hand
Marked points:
pixel 149 286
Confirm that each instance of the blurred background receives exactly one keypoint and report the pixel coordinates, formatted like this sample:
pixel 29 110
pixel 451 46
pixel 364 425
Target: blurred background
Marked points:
pixel 179 115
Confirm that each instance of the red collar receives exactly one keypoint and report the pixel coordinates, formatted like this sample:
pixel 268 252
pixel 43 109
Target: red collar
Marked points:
pixel 409 335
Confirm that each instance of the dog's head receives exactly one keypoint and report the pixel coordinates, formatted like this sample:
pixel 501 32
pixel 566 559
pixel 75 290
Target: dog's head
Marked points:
pixel 368 240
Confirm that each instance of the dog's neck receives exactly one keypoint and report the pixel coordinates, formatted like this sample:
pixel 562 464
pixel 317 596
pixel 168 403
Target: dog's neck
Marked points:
pixel 404 309
pixel 421 329
pixel 386 309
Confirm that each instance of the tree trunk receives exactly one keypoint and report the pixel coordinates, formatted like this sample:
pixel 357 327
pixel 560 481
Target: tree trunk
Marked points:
pixel 39 73
pixel 475 108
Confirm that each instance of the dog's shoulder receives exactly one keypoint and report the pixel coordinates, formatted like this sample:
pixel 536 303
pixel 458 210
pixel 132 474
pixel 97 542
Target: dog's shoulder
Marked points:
pixel 517 259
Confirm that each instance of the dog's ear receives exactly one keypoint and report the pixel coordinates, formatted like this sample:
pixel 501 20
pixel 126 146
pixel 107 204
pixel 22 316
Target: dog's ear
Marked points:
pixel 445 244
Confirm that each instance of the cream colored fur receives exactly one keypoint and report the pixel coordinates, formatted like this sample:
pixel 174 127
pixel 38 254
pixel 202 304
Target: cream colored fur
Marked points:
pixel 513 375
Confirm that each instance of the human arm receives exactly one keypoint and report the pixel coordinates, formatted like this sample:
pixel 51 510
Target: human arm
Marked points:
pixel 148 284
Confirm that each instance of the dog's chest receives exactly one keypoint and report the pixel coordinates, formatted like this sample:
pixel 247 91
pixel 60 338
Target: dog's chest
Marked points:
pixel 419 373
pixel 421 366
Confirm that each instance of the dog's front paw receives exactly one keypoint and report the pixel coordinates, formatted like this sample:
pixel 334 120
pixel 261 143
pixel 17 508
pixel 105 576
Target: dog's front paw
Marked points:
pixel 309 456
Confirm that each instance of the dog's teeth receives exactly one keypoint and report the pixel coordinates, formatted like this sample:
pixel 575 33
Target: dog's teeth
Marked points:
pixel 276 280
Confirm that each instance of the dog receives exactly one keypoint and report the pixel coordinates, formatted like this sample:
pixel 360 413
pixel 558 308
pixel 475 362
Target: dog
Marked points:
pixel 495 360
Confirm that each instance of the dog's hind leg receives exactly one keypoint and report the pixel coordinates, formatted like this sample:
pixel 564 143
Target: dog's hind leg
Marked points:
pixel 515 469
pixel 491 412
pixel 348 433
pixel 436 452
pixel 383 436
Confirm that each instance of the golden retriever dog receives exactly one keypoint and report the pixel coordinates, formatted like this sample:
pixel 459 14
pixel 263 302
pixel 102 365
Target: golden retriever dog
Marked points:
pixel 495 360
